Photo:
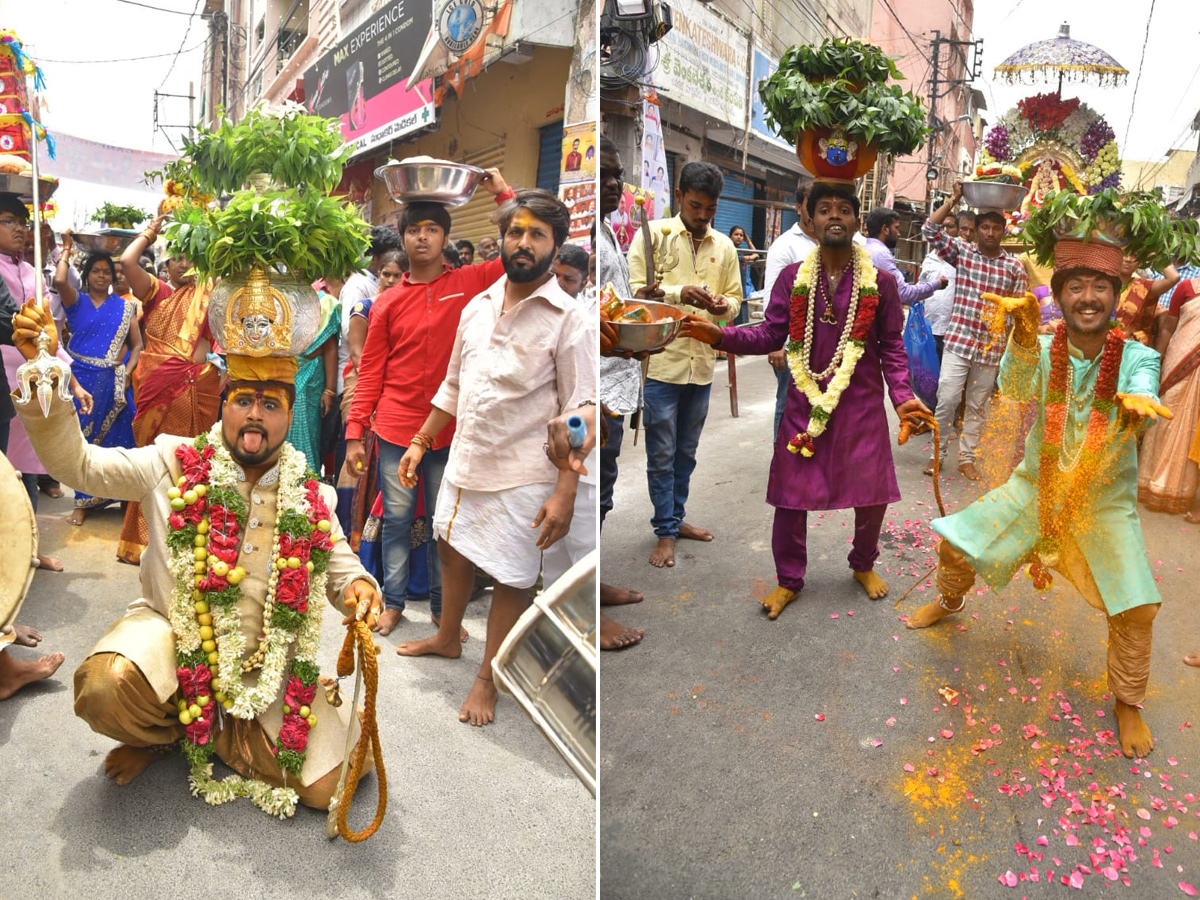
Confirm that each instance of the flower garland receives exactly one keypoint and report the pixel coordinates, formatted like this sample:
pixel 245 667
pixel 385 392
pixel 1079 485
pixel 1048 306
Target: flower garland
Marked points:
pixel 1065 486
pixel 204 533
pixel 864 301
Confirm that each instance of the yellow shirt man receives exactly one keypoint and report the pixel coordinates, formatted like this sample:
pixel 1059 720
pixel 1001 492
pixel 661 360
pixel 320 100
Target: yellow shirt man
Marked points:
pixel 711 264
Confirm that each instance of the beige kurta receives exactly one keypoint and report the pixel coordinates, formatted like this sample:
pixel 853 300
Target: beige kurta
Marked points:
pixel 144 634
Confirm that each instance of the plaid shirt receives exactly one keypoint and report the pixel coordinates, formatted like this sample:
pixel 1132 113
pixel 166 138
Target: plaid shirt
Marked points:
pixel 967 334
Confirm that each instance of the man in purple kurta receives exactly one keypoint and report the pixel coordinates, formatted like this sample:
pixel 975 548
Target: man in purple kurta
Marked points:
pixel 851 464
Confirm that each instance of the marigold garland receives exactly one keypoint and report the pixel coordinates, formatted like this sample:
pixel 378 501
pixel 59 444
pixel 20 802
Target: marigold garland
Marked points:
pixel 204 532
pixel 864 302
pixel 1066 486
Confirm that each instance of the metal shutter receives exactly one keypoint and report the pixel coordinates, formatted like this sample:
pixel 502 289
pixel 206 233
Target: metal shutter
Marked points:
pixel 789 218
pixel 729 211
pixel 473 221
pixel 549 156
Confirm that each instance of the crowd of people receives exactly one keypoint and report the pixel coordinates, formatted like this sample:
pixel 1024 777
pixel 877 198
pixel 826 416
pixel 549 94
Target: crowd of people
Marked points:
pixel 833 330
pixel 434 395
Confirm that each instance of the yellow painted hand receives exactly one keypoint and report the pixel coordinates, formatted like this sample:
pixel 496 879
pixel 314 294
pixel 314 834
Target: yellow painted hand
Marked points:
pixel 1026 313
pixel 1137 407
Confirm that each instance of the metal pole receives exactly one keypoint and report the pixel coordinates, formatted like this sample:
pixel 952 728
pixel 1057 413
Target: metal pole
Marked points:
pixel 191 110
pixel 933 97
pixel 39 276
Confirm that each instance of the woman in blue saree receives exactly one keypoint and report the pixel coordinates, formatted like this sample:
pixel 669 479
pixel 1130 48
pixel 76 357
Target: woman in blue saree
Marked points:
pixel 104 342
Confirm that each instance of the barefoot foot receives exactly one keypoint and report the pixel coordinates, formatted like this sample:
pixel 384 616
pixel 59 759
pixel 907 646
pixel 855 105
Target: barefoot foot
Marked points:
pixel 125 763
pixel 930 613
pixel 49 563
pixel 611 595
pixel 480 708
pixel 1135 736
pixel 775 601
pixel 692 533
pixel 26 636
pixel 875 586
pixel 389 620
pixel 1192 659
pixel 431 646
pixel 614 636
pixel 663 554
pixel 77 516
pixel 462 629
pixel 19 672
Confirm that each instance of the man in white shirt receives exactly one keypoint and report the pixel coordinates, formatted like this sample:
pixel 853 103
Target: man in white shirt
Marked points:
pixel 937 307
pixel 525 353
pixel 792 246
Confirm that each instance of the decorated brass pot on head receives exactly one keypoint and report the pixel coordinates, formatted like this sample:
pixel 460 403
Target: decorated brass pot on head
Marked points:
pixel 264 320
pixel 834 102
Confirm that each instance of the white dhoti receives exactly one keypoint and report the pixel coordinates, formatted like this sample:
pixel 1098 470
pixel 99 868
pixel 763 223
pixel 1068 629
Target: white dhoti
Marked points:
pixel 494 529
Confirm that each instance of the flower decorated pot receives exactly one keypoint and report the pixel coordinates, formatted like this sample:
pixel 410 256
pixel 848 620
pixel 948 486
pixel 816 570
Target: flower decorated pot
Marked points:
pixel 830 154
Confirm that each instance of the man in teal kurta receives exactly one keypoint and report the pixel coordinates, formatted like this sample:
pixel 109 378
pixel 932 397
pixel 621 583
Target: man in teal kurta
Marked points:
pixel 1101 550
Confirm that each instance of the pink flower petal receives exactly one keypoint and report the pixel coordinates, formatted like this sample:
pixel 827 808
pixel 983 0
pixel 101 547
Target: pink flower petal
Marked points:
pixel 877 743
pixel 947 733
pixel 1143 813
pixel 1187 889
pixel 1076 880
pixel 833 615
pixel 1009 879
pixel 820 717
pixel 908 767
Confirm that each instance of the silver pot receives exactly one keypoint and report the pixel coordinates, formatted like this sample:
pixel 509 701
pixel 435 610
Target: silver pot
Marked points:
pixel 993 194
pixel 112 241
pixel 433 181
pixel 638 336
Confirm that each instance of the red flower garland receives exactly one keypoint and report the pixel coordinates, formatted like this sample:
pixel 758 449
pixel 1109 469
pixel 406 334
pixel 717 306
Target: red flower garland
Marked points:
pixel 1047 112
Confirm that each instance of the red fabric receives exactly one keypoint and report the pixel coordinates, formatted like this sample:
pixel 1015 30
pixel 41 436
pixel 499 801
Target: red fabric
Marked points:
pixel 1183 293
pixel 407 352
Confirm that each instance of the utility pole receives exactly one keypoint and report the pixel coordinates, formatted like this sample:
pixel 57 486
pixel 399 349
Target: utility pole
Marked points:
pixel 931 173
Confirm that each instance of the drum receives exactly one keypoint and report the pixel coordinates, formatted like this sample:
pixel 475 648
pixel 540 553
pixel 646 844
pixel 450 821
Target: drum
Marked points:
pixel 18 545
pixel 548 663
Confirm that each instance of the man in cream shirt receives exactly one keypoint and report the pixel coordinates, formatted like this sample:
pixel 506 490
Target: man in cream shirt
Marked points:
pixel 701 275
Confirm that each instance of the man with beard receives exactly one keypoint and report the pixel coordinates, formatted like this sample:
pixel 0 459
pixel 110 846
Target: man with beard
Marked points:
pixel 833 450
pixel 403 363
pixel 203 656
pixel 883 234
pixel 525 353
pixel 175 389
pixel 704 279
pixel 1071 505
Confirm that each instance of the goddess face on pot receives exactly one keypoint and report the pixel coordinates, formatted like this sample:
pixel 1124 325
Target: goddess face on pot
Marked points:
pixel 256 328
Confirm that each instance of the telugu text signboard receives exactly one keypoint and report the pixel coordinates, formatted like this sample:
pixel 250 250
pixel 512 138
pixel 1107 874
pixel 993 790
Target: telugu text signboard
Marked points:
pixel 703 63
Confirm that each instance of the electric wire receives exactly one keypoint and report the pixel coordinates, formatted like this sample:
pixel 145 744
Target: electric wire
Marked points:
pixel 186 35
pixel 1137 82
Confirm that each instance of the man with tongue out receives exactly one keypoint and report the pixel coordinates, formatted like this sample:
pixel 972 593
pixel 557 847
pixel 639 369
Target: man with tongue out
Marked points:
pixel 1071 505
pixel 129 686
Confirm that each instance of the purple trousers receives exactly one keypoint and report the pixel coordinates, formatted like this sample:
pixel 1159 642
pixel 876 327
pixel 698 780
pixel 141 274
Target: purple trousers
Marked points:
pixel 789 542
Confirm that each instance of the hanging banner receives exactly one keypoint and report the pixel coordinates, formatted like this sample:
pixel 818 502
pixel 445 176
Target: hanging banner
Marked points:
pixel 654 162
pixel 702 63
pixel 464 37
pixel 580 200
pixel 117 167
pixel 365 81
pixel 624 220
pixel 578 154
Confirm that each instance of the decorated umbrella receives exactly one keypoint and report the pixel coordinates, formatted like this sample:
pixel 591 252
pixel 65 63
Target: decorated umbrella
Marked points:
pixel 1069 58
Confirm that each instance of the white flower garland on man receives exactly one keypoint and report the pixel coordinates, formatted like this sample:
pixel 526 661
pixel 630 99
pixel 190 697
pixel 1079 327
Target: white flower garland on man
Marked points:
pixel 864 302
pixel 204 535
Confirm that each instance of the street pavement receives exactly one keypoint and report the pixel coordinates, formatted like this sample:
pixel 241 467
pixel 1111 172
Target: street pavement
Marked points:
pixel 472 812
pixel 833 753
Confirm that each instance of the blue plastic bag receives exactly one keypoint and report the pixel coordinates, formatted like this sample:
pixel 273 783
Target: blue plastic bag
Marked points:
pixel 921 346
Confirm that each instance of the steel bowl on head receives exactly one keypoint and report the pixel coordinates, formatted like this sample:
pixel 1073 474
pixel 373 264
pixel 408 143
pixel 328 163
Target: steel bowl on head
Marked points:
pixel 430 180
pixel 112 241
pixel 993 194
pixel 648 336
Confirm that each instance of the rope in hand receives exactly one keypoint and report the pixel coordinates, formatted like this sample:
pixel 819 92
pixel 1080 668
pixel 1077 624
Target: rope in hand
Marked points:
pixel 358 636
pixel 906 429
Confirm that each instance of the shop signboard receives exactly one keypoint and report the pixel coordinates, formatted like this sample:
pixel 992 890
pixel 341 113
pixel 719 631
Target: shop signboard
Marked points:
pixel 363 80
pixel 764 67
pixel 702 63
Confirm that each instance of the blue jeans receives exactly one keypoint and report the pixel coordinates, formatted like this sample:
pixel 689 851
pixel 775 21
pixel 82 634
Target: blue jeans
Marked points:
pixel 674 416
pixel 783 379
pixel 608 464
pixel 399 505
